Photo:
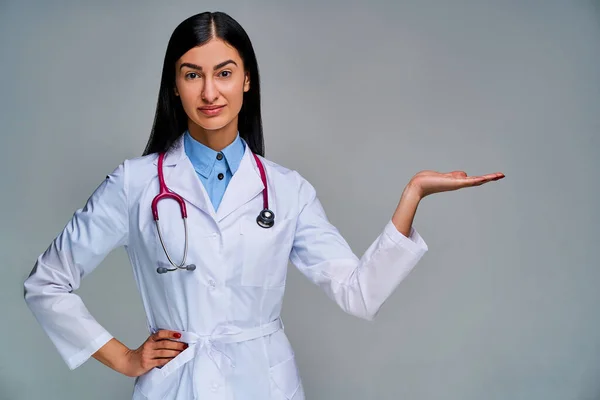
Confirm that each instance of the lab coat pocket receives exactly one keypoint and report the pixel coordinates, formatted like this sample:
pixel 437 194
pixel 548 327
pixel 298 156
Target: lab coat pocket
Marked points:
pixel 158 382
pixel 285 380
pixel 265 252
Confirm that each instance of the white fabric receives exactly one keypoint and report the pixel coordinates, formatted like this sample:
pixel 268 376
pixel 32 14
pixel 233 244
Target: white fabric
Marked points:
pixel 238 285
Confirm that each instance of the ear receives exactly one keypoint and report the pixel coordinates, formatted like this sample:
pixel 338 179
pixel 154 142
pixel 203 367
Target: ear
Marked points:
pixel 247 82
pixel 176 92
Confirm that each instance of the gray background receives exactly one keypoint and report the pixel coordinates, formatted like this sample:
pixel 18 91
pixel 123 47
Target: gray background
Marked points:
pixel 358 97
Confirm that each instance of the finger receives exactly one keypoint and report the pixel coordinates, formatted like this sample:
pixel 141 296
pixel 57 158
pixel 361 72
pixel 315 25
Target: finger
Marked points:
pixel 493 177
pixel 471 181
pixel 481 179
pixel 169 345
pixel 485 179
pixel 165 334
pixel 165 353
pixel 160 362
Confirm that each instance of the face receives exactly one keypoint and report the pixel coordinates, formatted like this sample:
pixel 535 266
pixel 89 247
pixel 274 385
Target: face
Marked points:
pixel 211 81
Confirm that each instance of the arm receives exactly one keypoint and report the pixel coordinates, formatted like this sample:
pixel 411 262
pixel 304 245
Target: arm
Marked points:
pixel 358 286
pixel 361 286
pixel 90 235
pixel 114 355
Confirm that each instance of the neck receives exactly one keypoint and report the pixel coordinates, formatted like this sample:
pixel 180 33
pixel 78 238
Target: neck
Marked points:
pixel 216 139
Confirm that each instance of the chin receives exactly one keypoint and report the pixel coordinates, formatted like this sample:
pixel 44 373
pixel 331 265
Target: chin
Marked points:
pixel 213 124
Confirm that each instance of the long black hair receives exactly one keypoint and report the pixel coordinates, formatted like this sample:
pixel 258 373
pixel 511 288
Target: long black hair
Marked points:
pixel 170 120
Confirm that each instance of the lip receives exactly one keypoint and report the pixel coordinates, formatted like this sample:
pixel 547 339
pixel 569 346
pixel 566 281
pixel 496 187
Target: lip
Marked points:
pixel 211 110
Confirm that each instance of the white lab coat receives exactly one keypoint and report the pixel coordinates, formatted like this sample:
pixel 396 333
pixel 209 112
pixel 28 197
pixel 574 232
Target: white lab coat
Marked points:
pixel 228 308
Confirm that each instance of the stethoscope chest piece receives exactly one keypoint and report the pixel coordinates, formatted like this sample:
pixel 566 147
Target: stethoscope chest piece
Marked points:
pixel 266 218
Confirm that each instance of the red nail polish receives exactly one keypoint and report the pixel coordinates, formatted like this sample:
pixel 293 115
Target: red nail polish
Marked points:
pixel 177 335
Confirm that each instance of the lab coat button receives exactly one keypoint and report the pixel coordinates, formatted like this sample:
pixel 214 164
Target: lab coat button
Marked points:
pixel 212 284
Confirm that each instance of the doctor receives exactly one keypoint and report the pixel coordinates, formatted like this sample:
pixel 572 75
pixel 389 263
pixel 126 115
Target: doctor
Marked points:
pixel 212 283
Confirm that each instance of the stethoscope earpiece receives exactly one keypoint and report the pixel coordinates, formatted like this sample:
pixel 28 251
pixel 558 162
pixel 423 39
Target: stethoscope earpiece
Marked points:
pixel 164 270
pixel 190 267
pixel 266 218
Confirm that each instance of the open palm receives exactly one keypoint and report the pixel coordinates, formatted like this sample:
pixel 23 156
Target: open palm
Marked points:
pixel 429 182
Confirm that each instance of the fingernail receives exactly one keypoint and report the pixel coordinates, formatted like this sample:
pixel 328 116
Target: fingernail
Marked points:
pixel 177 335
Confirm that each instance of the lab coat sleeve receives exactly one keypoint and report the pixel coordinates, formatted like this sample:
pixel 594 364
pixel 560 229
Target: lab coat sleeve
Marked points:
pixel 358 286
pixel 93 231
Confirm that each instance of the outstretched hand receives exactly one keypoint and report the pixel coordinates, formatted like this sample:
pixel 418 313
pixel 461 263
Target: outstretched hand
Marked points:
pixel 428 182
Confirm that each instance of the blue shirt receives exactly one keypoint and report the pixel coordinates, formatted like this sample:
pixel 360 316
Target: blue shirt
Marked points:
pixel 214 168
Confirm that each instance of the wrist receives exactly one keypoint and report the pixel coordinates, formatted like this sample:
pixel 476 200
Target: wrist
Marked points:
pixel 124 363
pixel 407 207
pixel 116 356
pixel 412 193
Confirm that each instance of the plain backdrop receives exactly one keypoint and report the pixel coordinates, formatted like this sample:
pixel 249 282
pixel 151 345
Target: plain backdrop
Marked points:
pixel 358 97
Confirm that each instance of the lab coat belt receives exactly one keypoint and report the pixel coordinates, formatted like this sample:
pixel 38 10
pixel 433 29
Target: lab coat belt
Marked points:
pixel 231 334
pixel 212 344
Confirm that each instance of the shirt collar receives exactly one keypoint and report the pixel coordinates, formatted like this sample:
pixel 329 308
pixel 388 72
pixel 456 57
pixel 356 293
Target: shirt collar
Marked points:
pixel 203 158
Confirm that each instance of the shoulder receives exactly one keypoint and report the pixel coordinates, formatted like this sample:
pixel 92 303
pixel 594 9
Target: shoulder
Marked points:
pixel 135 172
pixel 139 166
pixel 290 180
pixel 278 172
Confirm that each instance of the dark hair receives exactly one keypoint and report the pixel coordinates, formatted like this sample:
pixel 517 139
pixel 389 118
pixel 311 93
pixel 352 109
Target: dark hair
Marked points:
pixel 170 120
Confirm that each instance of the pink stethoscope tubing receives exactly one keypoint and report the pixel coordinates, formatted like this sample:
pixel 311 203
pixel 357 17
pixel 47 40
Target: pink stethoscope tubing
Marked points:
pixel 265 219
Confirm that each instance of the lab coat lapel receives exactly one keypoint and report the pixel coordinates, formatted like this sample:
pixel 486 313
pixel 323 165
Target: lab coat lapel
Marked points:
pixel 245 184
pixel 181 178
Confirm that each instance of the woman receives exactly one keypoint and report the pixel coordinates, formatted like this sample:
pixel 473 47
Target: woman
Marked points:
pixel 213 307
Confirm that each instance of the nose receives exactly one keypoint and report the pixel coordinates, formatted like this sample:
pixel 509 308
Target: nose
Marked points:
pixel 209 92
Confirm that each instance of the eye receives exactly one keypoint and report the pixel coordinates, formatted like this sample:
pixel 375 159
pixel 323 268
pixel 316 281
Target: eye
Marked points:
pixel 225 74
pixel 191 75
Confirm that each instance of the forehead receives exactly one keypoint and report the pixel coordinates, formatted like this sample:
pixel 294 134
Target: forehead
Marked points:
pixel 210 54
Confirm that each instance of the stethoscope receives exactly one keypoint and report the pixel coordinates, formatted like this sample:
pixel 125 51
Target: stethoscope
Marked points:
pixel 265 219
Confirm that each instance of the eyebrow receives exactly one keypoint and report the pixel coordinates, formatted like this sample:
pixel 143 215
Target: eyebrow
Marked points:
pixel 199 68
